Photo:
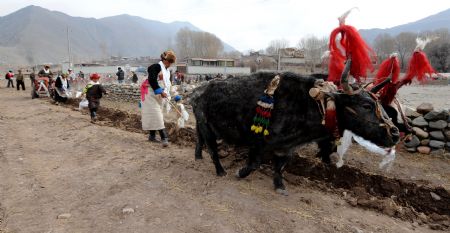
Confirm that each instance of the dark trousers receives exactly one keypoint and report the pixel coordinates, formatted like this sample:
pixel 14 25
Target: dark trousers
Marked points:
pixel 162 134
pixel 10 82
pixel 20 83
pixel 93 112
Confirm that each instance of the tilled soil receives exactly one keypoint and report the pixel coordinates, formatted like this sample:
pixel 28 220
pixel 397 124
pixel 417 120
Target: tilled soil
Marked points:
pixel 106 177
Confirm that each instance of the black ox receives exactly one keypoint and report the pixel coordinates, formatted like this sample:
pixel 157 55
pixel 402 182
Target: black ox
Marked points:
pixel 224 109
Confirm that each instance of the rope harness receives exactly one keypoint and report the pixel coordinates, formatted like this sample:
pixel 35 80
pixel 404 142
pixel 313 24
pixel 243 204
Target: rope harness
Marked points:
pixel 321 92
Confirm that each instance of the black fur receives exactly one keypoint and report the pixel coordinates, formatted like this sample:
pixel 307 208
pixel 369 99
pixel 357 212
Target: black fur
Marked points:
pixel 225 109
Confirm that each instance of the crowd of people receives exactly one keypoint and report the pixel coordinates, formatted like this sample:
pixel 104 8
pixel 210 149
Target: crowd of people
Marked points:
pixel 156 91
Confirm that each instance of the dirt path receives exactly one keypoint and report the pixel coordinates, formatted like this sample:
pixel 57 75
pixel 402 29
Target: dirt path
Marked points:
pixel 53 162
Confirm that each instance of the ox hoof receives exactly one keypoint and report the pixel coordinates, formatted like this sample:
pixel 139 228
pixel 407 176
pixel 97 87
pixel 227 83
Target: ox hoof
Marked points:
pixel 283 192
pixel 237 174
pixel 244 172
pixel 198 158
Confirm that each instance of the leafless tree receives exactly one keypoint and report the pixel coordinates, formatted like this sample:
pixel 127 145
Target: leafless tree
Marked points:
pixel 276 45
pixel 384 45
pixel 313 48
pixel 438 51
pixel 405 43
pixel 197 44
pixel 232 55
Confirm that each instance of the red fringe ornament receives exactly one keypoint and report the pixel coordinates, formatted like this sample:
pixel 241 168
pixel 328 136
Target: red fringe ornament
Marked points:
pixel 418 67
pixel 353 44
pixel 331 121
pixel 388 92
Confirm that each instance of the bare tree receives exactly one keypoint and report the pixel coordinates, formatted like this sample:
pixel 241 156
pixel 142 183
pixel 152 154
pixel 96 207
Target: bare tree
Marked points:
pixel 232 54
pixel 276 45
pixel 438 50
pixel 313 48
pixel 405 43
pixel 384 45
pixel 197 44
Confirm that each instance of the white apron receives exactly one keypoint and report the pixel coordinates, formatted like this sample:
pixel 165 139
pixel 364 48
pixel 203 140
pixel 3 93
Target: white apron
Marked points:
pixel 151 108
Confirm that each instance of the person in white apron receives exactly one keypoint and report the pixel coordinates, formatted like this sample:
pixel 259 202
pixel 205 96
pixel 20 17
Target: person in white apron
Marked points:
pixel 154 95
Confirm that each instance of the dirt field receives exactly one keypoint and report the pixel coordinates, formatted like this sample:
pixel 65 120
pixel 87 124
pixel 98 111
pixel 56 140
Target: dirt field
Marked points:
pixel 60 173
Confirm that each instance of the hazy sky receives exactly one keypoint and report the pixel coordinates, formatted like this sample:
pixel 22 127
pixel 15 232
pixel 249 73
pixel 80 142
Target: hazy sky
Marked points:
pixel 250 24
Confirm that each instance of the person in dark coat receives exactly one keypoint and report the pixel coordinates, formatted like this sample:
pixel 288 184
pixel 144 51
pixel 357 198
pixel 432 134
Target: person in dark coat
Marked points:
pixel 94 92
pixel 20 81
pixel 62 86
pixel 134 78
pixel 120 75
pixel 46 72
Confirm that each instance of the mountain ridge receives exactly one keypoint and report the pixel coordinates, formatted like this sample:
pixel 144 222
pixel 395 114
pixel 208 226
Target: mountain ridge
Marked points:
pixel 429 23
pixel 36 35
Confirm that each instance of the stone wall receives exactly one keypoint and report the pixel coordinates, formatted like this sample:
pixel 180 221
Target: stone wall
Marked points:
pixel 123 92
pixel 132 92
pixel 431 129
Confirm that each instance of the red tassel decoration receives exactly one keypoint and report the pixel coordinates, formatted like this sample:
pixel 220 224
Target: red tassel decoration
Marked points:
pixel 353 44
pixel 331 122
pixel 388 92
pixel 388 66
pixel 418 67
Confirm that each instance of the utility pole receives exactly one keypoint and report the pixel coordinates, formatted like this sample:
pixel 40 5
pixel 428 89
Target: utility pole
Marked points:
pixel 68 47
pixel 279 60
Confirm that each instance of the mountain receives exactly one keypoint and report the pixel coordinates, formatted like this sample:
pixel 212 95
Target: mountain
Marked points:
pixel 35 35
pixel 433 22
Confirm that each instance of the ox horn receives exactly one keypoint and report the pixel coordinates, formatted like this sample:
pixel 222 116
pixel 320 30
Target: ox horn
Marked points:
pixel 378 87
pixel 344 77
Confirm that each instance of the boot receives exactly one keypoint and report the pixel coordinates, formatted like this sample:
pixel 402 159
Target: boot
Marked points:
pixel 164 137
pixel 152 136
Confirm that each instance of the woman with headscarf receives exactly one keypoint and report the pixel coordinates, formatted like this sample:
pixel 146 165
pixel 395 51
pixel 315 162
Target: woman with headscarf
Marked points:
pixel 154 94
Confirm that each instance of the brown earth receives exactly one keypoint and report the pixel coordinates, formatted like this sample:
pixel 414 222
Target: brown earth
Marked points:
pixel 53 162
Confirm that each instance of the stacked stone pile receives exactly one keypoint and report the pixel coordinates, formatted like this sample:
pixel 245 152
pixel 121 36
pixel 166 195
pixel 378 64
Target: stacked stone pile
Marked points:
pixel 431 129
pixel 123 92
pixel 132 92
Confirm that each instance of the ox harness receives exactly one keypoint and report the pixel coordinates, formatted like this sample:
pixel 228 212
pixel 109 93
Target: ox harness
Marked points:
pixel 327 107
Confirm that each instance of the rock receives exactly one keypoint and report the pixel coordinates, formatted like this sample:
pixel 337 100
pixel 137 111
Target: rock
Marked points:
pixel 409 112
pixel 440 124
pixel 437 135
pixel 64 216
pixel 435 115
pixel 435 196
pixel 413 142
pixel 423 218
pixel 438 153
pixel 436 144
pixel 447 134
pixel 411 149
pixel 127 210
pixel 424 149
pixel 420 121
pixel 425 142
pixel 357 230
pixel 420 132
pixel 424 108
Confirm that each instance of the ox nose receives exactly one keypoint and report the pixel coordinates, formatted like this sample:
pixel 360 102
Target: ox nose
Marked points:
pixel 395 134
